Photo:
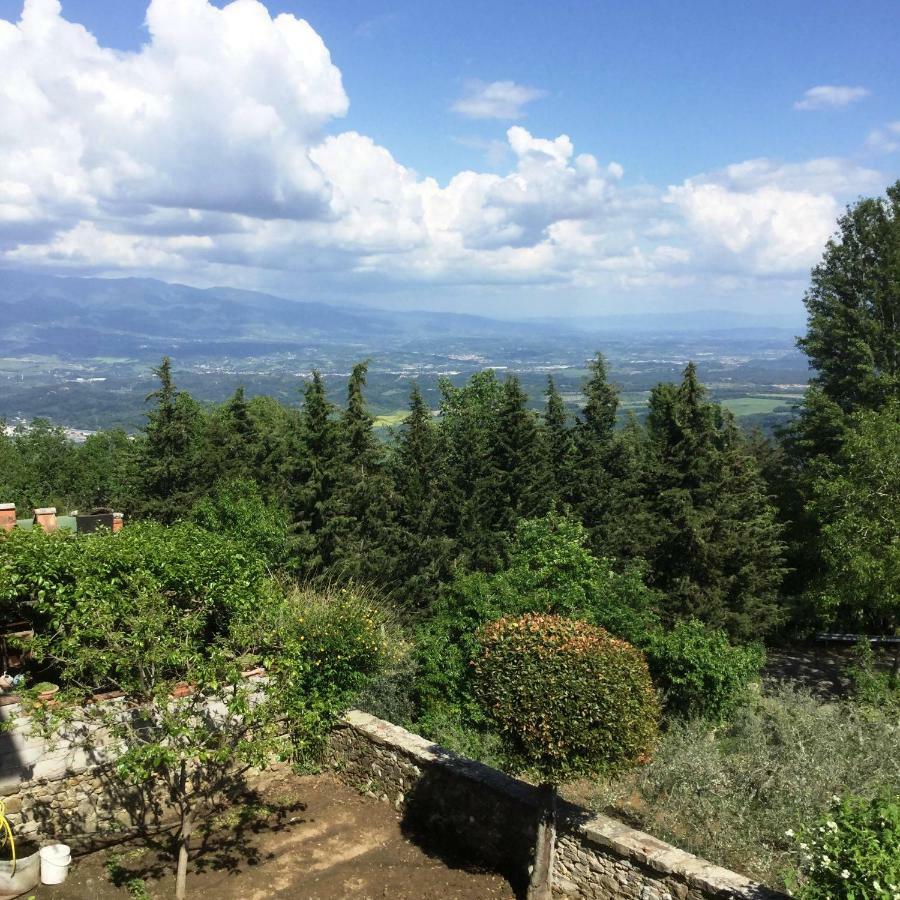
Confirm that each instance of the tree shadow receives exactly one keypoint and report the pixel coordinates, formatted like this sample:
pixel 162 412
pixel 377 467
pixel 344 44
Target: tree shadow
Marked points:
pixel 477 819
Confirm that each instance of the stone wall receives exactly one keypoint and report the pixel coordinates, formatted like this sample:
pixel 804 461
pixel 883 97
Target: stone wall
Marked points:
pixel 487 816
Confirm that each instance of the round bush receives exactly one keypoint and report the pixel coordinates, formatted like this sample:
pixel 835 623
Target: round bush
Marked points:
pixel 853 851
pixel 700 672
pixel 566 697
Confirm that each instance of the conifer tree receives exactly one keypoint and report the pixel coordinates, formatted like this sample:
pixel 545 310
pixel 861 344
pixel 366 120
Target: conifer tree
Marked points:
pixel 424 551
pixel 312 469
pixel 359 514
pixel 171 450
pixel 717 549
pixel 560 445
pixel 521 476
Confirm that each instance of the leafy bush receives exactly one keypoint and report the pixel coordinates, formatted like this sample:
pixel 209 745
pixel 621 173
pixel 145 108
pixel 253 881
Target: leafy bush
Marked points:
pixel 870 684
pixel 565 696
pixel 700 673
pixel 731 794
pixel 81 592
pixel 321 648
pixel 853 851
pixel 551 571
pixel 237 510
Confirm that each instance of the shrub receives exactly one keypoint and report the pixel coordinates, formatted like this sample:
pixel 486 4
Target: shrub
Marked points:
pixel 700 673
pixel 853 851
pixel 321 648
pixel 551 571
pixel 871 685
pixel 731 795
pixel 566 697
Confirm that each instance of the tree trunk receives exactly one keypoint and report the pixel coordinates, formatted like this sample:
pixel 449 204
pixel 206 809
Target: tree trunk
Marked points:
pixel 541 885
pixel 184 838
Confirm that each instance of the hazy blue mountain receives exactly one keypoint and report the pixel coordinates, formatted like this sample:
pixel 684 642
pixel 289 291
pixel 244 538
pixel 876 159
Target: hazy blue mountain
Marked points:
pixel 143 317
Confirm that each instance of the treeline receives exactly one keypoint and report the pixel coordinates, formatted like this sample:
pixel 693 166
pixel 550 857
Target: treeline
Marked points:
pixel 733 529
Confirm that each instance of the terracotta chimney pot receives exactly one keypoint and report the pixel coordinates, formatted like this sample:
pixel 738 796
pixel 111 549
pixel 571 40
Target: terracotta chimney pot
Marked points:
pixel 7 516
pixel 45 518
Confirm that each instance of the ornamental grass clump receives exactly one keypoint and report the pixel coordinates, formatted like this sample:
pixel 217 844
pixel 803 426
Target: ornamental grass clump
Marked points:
pixel 567 699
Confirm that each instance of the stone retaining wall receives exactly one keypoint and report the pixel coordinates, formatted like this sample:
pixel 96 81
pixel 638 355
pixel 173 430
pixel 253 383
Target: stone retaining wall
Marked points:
pixel 488 816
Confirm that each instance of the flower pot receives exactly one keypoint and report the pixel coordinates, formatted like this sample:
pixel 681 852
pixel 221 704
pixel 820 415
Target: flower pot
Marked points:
pixel 47 690
pixel 26 874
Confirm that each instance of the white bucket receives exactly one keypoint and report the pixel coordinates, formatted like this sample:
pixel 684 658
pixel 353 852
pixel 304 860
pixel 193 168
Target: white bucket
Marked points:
pixel 55 860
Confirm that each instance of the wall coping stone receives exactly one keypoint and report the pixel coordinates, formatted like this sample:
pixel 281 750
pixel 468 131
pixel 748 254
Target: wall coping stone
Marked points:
pixel 593 828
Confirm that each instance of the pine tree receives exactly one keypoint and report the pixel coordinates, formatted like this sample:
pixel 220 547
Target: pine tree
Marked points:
pixel 311 471
pixel 560 444
pixel 593 439
pixel 424 551
pixel 717 553
pixel 171 450
pixel 521 481
pixel 358 527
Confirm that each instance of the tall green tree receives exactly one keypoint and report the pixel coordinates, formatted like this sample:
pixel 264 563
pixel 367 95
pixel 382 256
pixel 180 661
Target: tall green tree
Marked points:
pixel 311 472
pixel 424 551
pixel 717 553
pixel 560 443
pixel 359 514
pixel 171 451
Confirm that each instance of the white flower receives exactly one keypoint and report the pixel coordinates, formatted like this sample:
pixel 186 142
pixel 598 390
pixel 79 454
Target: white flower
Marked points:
pixel 835 798
pixel 876 885
pixel 826 860
pixel 789 832
pixel 832 824
pixel 804 846
pixel 845 874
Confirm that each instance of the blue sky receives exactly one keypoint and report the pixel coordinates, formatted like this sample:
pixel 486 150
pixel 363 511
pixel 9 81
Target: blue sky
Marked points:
pixel 709 176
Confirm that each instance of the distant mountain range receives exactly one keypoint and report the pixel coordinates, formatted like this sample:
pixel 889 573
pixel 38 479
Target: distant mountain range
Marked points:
pixel 84 317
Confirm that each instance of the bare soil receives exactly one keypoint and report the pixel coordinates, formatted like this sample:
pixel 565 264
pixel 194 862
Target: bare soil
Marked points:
pixel 302 837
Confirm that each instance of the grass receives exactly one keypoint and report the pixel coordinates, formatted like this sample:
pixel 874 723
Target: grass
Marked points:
pixel 750 406
pixel 730 794
pixel 393 419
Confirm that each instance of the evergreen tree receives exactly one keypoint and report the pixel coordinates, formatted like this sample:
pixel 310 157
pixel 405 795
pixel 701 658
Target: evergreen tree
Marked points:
pixel 717 549
pixel 560 444
pixel 311 472
pixel 593 441
pixel 521 480
pixel 359 514
pixel 424 551
pixel 170 451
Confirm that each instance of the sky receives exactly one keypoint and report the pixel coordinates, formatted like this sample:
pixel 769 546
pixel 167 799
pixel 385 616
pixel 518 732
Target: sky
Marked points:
pixel 507 158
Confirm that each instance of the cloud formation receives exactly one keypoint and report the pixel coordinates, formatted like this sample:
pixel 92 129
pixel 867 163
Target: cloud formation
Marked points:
pixel 496 100
pixel 831 96
pixel 210 156
pixel 885 139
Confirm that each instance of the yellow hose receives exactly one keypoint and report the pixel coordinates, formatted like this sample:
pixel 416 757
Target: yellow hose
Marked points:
pixel 6 831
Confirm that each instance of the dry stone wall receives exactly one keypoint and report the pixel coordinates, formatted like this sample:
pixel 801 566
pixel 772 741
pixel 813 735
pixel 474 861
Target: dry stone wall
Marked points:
pixel 491 817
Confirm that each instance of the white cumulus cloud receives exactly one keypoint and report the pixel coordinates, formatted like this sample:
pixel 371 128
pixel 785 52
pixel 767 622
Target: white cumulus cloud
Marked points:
pixel 496 100
pixel 210 155
pixel 831 96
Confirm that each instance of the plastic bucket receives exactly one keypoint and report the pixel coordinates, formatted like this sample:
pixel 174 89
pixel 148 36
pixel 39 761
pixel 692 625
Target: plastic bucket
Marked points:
pixel 55 860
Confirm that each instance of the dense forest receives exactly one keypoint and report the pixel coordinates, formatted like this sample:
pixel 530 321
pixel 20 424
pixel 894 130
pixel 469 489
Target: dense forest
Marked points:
pixel 753 535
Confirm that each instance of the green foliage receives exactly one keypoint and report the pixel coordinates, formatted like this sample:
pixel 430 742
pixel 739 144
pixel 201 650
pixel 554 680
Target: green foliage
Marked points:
pixel 871 684
pixel 237 510
pixel 699 672
pixel 321 648
pixel 566 698
pixel 856 498
pixel 549 571
pixel 852 851
pixel 717 550
pixel 730 794
pixel 189 584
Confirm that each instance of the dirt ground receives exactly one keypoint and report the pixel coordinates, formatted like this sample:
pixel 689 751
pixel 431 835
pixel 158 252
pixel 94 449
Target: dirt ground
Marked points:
pixel 309 838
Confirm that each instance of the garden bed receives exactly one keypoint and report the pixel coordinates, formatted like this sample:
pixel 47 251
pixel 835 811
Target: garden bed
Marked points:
pixel 309 837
